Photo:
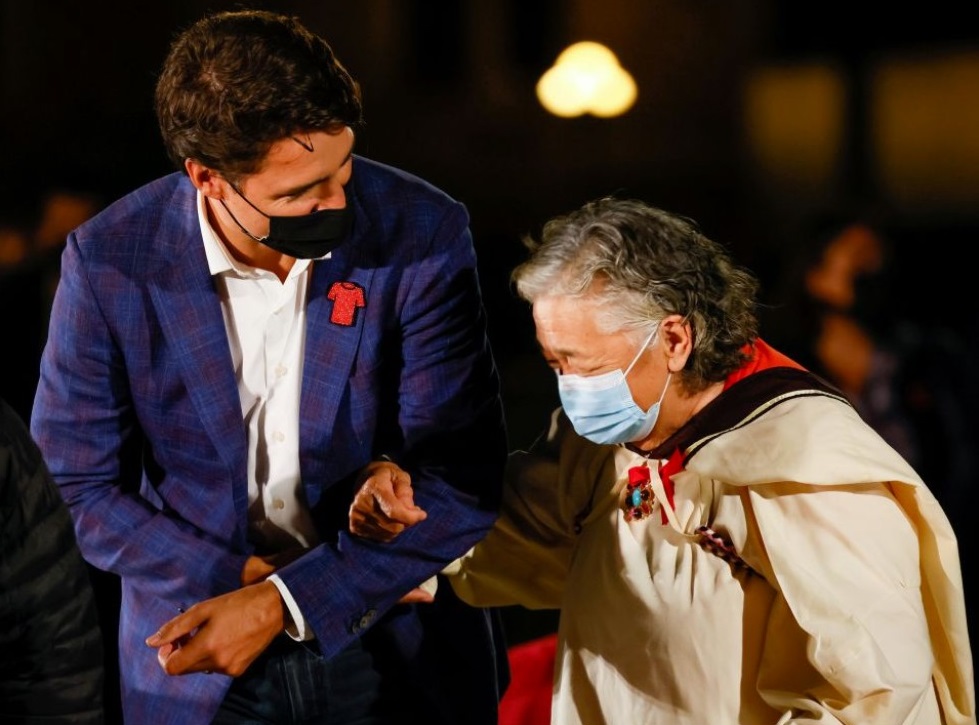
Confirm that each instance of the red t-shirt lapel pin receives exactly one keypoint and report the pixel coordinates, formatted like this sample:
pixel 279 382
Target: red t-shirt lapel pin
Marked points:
pixel 346 297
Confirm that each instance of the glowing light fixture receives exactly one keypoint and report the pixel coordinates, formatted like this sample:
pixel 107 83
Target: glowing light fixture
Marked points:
pixel 586 78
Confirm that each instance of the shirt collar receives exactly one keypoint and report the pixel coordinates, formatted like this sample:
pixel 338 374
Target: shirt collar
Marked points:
pixel 218 259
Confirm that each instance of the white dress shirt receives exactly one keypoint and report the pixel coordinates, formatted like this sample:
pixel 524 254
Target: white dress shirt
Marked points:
pixel 265 319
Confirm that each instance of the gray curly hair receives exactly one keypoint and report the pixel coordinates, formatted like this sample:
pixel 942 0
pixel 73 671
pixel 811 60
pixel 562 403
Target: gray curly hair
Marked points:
pixel 642 264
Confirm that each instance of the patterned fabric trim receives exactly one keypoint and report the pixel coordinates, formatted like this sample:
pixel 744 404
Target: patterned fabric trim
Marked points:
pixel 716 544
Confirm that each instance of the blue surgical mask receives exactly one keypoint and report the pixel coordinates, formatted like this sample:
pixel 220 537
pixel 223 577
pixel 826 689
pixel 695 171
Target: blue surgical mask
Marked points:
pixel 601 407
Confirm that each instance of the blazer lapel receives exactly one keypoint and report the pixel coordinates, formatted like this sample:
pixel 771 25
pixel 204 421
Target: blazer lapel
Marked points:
pixel 189 309
pixel 335 316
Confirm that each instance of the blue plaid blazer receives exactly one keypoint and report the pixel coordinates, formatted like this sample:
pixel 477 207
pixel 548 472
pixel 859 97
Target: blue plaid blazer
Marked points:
pixel 138 417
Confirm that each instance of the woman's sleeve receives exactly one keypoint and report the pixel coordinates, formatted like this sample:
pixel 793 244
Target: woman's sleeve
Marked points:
pixel 525 558
pixel 847 640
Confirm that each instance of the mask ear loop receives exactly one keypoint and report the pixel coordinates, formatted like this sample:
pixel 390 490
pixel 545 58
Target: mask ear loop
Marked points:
pixel 669 373
pixel 240 225
pixel 247 200
pixel 642 349
pixel 685 320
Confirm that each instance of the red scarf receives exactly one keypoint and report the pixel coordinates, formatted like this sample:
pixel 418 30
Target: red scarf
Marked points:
pixel 763 357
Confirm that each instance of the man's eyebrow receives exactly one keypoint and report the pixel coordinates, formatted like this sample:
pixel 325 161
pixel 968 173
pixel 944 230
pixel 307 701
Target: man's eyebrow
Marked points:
pixel 296 191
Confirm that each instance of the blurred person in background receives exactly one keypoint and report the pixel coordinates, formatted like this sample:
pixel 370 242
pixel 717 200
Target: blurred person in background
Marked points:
pixel 30 260
pixel 839 312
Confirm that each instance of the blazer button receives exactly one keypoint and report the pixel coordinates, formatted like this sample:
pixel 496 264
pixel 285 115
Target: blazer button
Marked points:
pixel 364 622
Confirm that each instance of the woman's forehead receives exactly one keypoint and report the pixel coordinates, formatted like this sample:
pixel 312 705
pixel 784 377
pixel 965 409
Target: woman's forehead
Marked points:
pixel 569 326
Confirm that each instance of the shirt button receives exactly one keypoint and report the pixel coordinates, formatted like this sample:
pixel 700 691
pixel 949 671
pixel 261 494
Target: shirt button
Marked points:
pixel 278 436
pixel 278 503
pixel 281 370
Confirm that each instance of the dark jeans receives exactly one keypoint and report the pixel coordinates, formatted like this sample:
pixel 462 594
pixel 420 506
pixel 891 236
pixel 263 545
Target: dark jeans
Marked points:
pixel 291 684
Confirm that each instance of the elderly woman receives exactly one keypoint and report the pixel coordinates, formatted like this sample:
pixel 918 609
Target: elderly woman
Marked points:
pixel 727 541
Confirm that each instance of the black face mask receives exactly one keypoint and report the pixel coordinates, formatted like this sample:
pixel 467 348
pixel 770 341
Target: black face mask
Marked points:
pixel 308 236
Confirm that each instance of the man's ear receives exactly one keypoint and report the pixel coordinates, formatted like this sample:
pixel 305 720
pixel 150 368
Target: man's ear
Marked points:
pixel 206 180
pixel 676 335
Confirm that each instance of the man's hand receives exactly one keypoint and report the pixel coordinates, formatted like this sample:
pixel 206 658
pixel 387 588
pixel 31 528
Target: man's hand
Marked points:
pixel 384 504
pixel 224 634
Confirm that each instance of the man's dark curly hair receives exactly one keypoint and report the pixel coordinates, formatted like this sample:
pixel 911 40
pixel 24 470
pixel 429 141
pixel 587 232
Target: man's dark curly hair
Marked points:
pixel 234 83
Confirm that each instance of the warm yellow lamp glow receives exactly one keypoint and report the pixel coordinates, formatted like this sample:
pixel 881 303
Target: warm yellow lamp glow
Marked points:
pixel 586 78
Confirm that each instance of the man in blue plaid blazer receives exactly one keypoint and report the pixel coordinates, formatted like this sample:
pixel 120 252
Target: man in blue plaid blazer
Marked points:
pixel 230 347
